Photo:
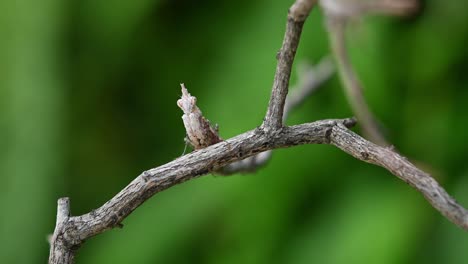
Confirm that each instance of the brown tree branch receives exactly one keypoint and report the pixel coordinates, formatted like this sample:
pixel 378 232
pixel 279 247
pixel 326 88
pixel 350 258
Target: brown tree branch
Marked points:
pixel 399 166
pixel 355 9
pixel 296 18
pixel 338 13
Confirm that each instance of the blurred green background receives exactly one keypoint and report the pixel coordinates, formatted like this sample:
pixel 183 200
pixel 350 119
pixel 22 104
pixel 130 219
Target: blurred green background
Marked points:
pixel 88 94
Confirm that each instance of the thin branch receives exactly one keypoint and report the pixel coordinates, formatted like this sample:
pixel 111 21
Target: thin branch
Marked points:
pixel 338 13
pixel 248 165
pixel 351 83
pixel 296 18
pixel 309 80
pixel 355 9
pixel 399 166
pixel 393 7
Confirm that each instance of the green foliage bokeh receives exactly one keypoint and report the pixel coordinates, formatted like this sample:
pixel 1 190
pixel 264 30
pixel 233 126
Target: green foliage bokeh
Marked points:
pixel 87 102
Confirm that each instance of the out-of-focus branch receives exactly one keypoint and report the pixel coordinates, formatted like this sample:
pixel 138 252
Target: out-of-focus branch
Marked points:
pixel 310 78
pixel 338 14
pixel 351 83
pixel 393 7
pixel 355 9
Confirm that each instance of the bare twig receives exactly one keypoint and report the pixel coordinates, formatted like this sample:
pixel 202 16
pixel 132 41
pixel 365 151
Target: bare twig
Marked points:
pixel 338 13
pixel 393 7
pixel 296 18
pixel 399 166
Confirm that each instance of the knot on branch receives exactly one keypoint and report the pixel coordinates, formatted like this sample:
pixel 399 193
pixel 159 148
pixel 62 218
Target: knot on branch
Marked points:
pixel 350 122
pixel 344 123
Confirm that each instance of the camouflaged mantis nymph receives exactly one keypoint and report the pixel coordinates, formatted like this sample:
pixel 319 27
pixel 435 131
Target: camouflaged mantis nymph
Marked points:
pixel 200 133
